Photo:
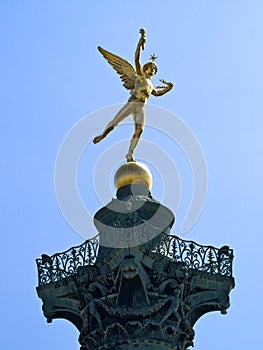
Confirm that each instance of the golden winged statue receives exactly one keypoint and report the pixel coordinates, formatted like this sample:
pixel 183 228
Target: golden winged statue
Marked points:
pixel 138 81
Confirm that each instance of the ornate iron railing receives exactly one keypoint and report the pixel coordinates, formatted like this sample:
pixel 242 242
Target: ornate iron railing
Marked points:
pixel 194 256
pixel 61 265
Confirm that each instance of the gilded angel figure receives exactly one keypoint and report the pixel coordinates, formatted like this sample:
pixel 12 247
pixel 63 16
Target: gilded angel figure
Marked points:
pixel 138 81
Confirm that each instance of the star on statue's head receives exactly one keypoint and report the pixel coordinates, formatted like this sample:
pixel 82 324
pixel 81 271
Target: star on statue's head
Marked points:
pixel 153 58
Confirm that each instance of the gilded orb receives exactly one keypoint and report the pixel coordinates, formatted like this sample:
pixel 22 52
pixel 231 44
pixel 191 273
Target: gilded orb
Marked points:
pixel 133 173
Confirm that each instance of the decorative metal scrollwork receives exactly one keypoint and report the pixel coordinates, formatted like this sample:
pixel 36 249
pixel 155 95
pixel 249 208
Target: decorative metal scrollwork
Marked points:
pixel 195 256
pixel 62 265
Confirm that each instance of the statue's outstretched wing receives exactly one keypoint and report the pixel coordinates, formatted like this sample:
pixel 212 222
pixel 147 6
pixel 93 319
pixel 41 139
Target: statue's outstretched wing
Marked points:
pixel 122 67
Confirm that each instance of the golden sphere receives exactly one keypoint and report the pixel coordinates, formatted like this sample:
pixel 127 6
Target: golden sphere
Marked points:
pixel 133 173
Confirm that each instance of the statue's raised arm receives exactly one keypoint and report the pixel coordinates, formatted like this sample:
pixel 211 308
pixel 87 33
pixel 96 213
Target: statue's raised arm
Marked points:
pixel 138 81
pixel 139 68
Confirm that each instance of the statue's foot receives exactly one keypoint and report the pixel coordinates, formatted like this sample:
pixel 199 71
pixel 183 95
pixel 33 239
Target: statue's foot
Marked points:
pixel 97 139
pixel 130 158
pixel 102 136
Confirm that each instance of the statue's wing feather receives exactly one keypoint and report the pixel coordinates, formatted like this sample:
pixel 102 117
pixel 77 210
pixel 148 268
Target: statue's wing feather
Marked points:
pixel 122 67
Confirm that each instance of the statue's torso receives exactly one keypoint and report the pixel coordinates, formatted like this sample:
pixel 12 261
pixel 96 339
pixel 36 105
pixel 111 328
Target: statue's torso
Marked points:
pixel 143 88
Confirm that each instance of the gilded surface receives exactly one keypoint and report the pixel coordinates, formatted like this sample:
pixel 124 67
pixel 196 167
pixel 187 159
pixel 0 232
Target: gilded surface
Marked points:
pixel 138 81
pixel 133 173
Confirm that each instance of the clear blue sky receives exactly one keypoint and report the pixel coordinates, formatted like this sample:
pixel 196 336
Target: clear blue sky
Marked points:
pixel 52 76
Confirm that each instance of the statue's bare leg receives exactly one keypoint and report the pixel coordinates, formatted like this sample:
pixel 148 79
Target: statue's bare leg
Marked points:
pixel 139 121
pixel 123 113
pixel 134 141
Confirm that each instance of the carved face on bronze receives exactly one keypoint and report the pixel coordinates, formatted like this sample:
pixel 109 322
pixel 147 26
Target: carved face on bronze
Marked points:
pixel 128 268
